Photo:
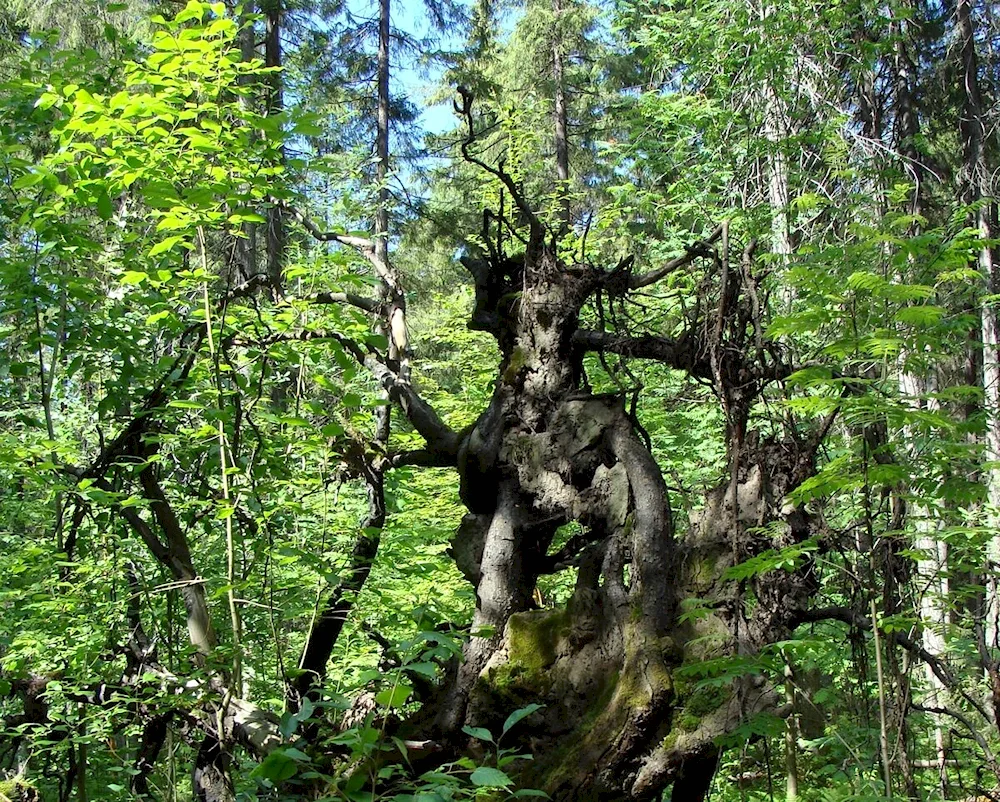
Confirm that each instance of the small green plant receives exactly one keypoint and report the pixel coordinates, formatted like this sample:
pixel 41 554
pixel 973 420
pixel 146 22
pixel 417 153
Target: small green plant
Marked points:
pixel 464 779
pixel 372 766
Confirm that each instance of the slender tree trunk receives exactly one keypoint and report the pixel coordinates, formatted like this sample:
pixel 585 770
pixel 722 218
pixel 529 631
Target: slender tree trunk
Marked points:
pixel 882 718
pixel 932 569
pixel 392 291
pixel 933 573
pixel 907 119
pixel 329 622
pixel 245 250
pixel 775 129
pixel 932 577
pixel 561 121
pixel 775 123
pixel 382 137
pixel 276 234
pixel 900 674
pixel 81 766
pixel 791 737
pixel 991 397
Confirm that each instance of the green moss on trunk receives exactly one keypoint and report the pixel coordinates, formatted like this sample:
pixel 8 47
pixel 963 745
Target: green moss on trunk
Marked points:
pixel 532 638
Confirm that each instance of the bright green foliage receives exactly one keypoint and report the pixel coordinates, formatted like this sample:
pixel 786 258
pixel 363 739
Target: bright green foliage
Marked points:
pixel 130 178
pixel 121 198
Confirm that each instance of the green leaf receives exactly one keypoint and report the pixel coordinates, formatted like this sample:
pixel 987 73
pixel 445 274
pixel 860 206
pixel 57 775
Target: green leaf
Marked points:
pixel 424 669
pixel 517 715
pixel 277 767
pixel 306 709
pixel 487 777
pixel 29 179
pixel 133 277
pixel 924 315
pixel 479 733
pixel 786 559
pixel 864 281
pixel 294 421
pixel 245 217
pixel 811 376
pixel 332 430
pixel 194 10
pixel 104 208
pixel 394 697
pixel 165 245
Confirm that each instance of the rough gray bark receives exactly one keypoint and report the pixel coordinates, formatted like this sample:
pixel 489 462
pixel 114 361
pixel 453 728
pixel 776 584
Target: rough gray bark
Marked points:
pixel 210 780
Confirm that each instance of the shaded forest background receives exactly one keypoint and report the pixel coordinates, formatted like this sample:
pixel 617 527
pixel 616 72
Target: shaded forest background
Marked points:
pixel 693 305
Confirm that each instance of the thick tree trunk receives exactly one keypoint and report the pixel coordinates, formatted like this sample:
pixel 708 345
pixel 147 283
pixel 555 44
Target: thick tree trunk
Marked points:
pixel 695 781
pixel 622 719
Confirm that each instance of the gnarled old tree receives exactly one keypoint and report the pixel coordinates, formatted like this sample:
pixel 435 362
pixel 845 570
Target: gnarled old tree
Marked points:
pixel 618 721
